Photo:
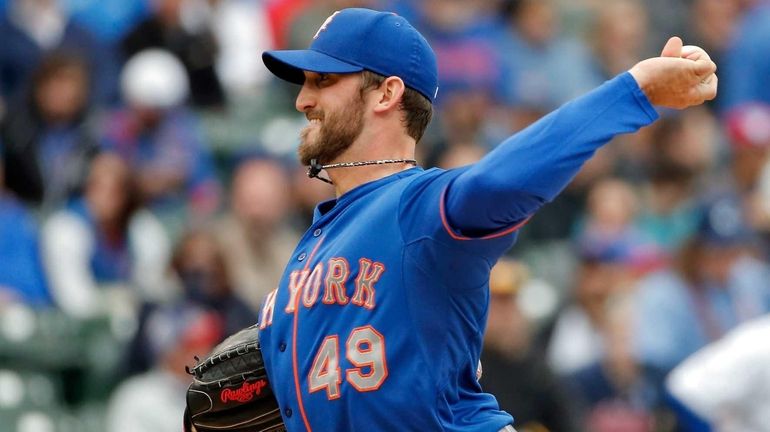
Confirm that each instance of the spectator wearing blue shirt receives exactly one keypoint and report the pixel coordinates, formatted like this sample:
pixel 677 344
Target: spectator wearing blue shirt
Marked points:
pixel 746 62
pixel 716 285
pixel 21 273
pixel 464 39
pixel 47 139
pixel 161 140
pixel 32 29
pixel 108 20
pixel 537 54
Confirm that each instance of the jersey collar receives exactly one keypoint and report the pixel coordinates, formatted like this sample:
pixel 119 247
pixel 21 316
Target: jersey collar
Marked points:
pixel 336 204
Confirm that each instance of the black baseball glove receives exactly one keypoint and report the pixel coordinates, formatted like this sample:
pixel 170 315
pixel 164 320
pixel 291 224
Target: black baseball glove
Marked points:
pixel 230 390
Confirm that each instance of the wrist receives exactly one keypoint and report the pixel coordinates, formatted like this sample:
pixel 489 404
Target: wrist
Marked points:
pixel 641 79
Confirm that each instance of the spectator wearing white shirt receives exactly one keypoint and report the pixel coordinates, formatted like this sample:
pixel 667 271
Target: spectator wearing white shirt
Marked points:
pixel 104 240
pixel 727 383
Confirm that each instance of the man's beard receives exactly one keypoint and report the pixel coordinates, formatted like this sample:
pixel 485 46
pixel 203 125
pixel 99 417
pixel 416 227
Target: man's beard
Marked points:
pixel 337 133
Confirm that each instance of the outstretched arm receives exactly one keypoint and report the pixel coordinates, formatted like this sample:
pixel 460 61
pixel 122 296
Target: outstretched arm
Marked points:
pixel 532 167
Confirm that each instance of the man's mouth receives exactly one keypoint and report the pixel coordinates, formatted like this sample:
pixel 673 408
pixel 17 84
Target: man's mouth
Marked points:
pixel 314 118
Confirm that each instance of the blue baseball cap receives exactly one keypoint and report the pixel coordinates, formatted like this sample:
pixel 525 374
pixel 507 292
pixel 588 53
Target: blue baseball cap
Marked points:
pixel 357 39
pixel 723 222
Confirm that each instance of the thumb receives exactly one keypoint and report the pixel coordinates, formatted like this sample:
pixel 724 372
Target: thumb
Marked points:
pixel 673 48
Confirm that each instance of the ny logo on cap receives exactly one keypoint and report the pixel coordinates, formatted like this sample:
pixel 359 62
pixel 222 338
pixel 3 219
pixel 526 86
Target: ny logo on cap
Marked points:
pixel 325 24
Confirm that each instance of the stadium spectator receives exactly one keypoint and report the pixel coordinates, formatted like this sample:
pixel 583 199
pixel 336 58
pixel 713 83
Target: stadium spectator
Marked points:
pixel 154 401
pixel 746 65
pixel 103 244
pixel 748 130
pixel 193 45
pixel 667 17
pixel 683 149
pixel 108 20
pixel 47 136
pixel 536 55
pixel 464 41
pixel 512 366
pixel 714 23
pixel 464 122
pixel 715 284
pixel 255 229
pixel 32 29
pixel 615 393
pixel 619 36
pixel 198 267
pixel 611 253
pixel 241 29
pixel 162 141
pixel 22 278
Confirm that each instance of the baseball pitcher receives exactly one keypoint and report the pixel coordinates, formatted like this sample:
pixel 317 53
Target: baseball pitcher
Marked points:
pixel 378 321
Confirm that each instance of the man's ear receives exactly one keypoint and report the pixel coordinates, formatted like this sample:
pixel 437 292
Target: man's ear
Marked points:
pixel 390 93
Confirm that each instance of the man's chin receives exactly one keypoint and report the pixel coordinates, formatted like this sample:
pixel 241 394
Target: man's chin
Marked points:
pixel 305 158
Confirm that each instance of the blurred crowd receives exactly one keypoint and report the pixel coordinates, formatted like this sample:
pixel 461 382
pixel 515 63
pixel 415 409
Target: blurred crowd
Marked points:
pixel 150 197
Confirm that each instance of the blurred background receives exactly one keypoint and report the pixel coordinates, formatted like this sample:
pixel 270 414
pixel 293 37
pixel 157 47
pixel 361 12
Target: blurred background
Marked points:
pixel 150 197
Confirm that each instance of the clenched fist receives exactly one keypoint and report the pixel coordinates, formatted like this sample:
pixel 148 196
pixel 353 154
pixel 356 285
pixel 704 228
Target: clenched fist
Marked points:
pixel 681 77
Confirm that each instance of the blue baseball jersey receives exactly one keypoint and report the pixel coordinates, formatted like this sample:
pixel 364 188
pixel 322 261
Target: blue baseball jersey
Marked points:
pixel 378 321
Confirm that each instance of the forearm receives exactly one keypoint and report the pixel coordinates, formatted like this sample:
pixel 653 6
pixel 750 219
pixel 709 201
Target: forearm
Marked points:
pixel 532 167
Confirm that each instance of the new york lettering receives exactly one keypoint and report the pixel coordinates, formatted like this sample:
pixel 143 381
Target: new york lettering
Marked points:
pixel 328 282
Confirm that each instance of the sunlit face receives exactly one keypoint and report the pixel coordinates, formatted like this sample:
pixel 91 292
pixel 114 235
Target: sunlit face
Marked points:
pixel 62 95
pixel 334 106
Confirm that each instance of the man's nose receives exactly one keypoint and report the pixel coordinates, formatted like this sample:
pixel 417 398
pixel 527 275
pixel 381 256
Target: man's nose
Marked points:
pixel 305 99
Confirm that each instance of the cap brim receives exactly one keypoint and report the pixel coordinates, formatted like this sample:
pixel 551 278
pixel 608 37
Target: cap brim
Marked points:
pixel 290 65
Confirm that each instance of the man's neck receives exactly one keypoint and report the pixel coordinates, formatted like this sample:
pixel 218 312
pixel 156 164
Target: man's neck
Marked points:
pixel 348 178
pixel 371 148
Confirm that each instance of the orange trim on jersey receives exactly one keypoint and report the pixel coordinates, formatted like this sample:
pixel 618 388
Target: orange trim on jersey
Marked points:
pixel 294 343
pixel 457 236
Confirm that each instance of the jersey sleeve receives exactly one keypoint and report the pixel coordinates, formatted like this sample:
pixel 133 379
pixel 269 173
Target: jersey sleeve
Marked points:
pixel 531 167
pixel 422 219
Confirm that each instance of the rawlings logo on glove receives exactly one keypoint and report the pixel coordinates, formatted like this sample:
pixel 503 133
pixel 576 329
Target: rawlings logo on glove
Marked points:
pixel 230 390
pixel 243 394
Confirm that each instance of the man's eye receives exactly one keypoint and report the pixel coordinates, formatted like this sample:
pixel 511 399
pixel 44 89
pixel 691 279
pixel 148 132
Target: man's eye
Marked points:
pixel 321 79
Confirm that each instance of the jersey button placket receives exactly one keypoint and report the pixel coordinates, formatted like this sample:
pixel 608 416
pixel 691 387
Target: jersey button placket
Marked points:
pixel 317 232
pixel 301 256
